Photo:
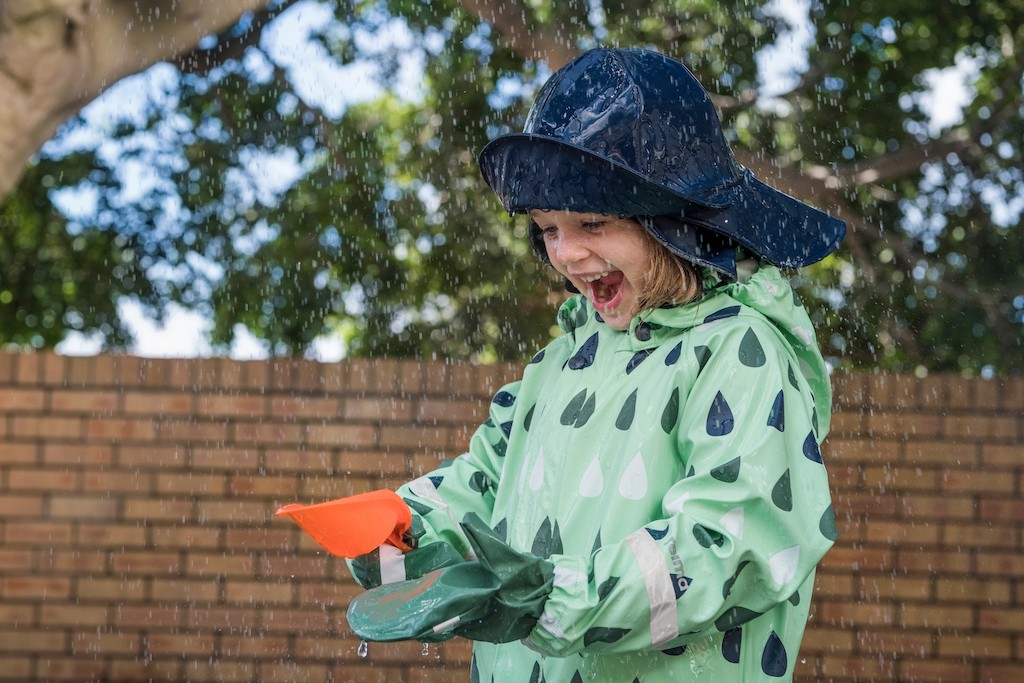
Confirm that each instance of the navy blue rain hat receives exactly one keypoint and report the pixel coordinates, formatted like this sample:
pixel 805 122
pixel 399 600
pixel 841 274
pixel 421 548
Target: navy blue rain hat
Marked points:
pixel 632 132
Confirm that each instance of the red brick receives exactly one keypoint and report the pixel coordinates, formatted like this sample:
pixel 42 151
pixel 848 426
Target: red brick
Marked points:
pixel 150 617
pixel 19 453
pixel 192 483
pixel 975 646
pixel 75 670
pixel 268 537
pixel 181 644
pixel 178 536
pixel 159 403
pixel 903 425
pixel 146 562
pixel 42 480
pixel 30 640
pixel 105 589
pixel 337 434
pixel 26 426
pixel 936 616
pixel 904 532
pixel 249 647
pixel 889 588
pixel 1000 672
pixel 296 459
pixel 376 410
pixel 82 507
pixel 946 562
pixel 27 587
pixel 940 671
pixel 221 671
pixel 891 643
pixel 980 536
pixel 263 592
pixel 862 450
pixel 977 426
pixel 218 617
pixel 184 590
pixel 415 437
pixel 78 454
pixel 292 671
pixel 86 402
pixel 83 616
pixel 901 478
pixel 220 564
pixel 998 510
pixel 830 640
pixel 13 400
pixel 305 407
pixel 944 453
pixel 18 532
pixel 93 642
pixel 18 667
pixel 312 621
pixel 977 591
pixel 845 425
pixel 243 511
pixel 227 405
pixel 119 429
pixel 272 433
pixel 234 459
pixel 1002 455
pixel 989 563
pixel 264 485
pixel 64 561
pixel 20 506
pixel 191 429
pixel 151 456
pixel 947 507
pixel 158 509
pixel 845 614
pixel 373 462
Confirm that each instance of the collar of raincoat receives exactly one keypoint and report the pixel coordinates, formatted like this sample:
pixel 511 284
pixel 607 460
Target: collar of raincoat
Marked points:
pixel 759 286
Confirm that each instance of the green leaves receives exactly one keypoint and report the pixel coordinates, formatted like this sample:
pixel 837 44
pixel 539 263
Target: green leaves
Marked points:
pixel 382 231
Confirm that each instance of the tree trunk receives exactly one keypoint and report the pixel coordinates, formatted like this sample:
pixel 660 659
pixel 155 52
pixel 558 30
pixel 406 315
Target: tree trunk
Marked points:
pixel 56 56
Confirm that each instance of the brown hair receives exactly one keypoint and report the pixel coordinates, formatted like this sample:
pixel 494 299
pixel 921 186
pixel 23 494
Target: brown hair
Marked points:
pixel 670 279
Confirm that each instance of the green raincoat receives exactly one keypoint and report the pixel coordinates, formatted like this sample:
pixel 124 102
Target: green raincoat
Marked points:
pixel 671 473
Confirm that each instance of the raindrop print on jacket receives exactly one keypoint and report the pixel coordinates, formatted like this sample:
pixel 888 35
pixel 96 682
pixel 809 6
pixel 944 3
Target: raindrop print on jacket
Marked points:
pixel 671 473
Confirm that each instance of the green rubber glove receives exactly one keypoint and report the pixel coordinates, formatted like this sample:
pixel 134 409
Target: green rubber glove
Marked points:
pixel 387 564
pixel 497 598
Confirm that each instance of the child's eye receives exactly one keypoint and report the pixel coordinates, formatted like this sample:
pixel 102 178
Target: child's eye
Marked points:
pixel 549 231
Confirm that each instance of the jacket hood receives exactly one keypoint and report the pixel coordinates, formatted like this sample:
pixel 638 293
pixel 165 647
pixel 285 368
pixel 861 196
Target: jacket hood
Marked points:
pixel 763 293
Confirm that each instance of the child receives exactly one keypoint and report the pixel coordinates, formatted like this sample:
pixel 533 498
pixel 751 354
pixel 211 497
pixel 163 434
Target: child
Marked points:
pixel 649 502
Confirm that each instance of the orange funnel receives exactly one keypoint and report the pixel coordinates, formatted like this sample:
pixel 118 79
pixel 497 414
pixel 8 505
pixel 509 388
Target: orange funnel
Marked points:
pixel 353 526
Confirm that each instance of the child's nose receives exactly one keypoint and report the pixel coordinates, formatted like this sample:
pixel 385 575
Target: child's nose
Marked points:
pixel 569 249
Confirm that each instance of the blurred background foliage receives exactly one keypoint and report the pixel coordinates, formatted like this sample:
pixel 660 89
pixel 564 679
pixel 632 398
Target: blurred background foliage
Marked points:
pixel 240 188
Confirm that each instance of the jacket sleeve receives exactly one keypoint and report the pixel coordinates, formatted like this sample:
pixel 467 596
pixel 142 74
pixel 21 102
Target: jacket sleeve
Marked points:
pixel 467 483
pixel 740 531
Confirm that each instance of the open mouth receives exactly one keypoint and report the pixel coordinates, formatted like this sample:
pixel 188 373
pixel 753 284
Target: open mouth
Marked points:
pixel 605 292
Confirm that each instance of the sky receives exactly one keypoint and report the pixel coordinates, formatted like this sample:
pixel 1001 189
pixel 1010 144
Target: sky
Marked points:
pixel 183 332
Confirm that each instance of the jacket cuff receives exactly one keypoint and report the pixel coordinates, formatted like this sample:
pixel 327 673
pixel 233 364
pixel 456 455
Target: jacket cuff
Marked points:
pixel 551 635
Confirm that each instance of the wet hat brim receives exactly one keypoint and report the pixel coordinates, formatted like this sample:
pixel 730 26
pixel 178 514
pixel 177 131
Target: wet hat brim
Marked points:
pixel 529 171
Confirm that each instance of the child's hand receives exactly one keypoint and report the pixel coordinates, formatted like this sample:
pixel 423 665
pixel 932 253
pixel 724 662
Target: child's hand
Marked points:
pixel 497 598
pixel 387 564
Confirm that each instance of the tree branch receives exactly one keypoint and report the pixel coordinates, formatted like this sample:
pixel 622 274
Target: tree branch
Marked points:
pixel 56 56
pixel 521 34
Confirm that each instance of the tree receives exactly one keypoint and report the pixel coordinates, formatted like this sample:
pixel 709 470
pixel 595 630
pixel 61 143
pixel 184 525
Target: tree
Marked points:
pixel 387 233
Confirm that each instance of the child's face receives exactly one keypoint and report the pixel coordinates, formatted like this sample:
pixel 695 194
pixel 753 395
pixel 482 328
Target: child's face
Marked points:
pixel 605 257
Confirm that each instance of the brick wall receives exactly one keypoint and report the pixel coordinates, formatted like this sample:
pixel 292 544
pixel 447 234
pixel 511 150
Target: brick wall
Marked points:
pixel 137 537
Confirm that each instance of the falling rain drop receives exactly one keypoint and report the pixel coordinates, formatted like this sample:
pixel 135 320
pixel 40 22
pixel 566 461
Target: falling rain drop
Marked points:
pixel 364 649
pixel 426 650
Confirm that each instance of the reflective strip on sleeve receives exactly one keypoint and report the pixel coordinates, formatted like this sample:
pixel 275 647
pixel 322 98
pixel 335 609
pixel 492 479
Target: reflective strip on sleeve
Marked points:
pixel 424 488
pixel 392 564
pixel 660 596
